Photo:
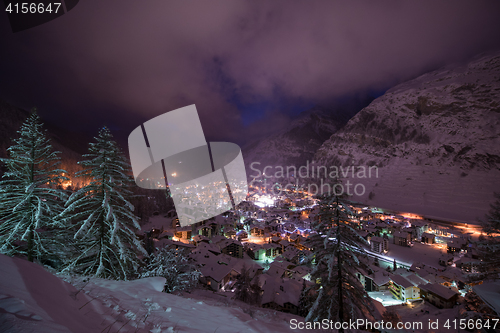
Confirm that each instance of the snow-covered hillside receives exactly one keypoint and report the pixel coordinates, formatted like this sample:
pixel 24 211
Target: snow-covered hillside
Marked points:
pixel 434 139
pixel 297 143
pixel 34 300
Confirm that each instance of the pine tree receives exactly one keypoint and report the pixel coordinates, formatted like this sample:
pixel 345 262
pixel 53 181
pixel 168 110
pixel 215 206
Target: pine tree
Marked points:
pixel 306 299
pixel 174 266
pixel 104 223
pixel 245 290
pixel 29 195
pixel 336 247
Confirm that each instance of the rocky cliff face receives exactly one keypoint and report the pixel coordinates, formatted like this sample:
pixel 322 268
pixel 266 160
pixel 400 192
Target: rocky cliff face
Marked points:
pixel 435 141
pixel 297 144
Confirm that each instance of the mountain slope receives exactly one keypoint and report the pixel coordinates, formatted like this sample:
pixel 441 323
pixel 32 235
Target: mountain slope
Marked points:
pixel 434 139
pixel 297 144
pixel 34 300
pixel 70 144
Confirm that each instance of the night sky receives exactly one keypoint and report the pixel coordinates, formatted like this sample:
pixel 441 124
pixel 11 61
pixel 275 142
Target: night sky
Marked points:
pixel 248 66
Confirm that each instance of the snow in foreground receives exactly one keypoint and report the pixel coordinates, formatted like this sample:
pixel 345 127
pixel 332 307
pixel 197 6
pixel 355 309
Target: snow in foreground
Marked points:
pixel 34 300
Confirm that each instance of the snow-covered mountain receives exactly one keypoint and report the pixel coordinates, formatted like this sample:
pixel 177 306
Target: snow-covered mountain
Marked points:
pixel 434 139
pixel 297 143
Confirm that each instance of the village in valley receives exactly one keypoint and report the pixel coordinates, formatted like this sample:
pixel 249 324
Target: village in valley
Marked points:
pixel 410 262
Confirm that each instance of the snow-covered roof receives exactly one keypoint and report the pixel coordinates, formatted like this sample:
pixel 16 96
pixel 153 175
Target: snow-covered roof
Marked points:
pixel 415 279
pixel 281 291
pixel 270 246
pixel 433 278
pixel 402 234
pixel 216 270
pixel 290 253
pixel 217 238
pixel 199 238
pixel 439 290
pixel 254 246
pixel 489 292
pixel 210 247
pixel 402 281
pixel 380 277
pixel 377 239
pixel 225 243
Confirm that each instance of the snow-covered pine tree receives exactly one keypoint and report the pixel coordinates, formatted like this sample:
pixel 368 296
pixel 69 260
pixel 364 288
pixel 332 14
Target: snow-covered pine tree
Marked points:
pixel 336 247
pixel 29 195
pixel 102 217
pixel 175 267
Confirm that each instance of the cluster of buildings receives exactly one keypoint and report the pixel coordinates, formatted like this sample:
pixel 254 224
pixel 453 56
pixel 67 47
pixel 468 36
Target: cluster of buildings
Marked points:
pixel 420 282
pixel 268 242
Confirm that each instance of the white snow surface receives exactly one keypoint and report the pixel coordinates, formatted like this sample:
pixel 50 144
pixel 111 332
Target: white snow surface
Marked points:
pixel 34 300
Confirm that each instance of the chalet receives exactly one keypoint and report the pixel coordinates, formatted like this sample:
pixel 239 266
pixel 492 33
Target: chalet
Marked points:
pixel 220 272
pixel 276 224
pixel 284 244
pixel 229 232
pixel 379 244
pixel 421 224
pixel 467 263
pixel 456 245
pixel 428 238
pixel 272 249
pixel 296 238
pixel 414 231
pixel 281 294
pixel 377 280
pixel 231 247
pixel 200 238
pixel 184 232
pixel 206 230
pixel 256 230
pixel 242 235
pixel 217 274
pixel 293 255
pixel 401 288
pixel 255 251
pixel 446 260
pixel 402 238
pixel 439 295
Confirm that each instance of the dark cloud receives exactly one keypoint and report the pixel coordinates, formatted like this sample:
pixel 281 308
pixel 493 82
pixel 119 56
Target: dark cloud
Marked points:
pixel 244 64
